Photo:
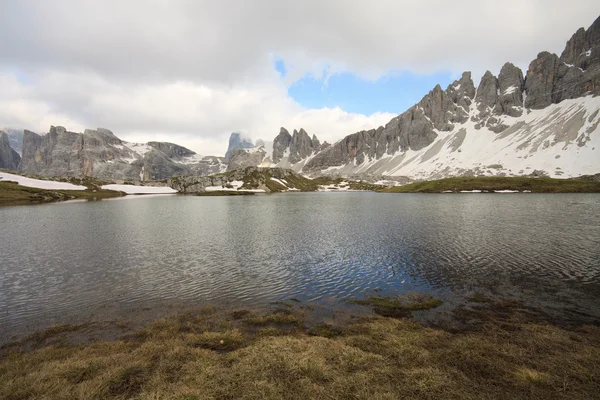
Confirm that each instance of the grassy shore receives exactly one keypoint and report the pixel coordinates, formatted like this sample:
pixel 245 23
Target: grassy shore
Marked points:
pixel 246 354
pixel 490 184
pixel 225 193
pixel 13 194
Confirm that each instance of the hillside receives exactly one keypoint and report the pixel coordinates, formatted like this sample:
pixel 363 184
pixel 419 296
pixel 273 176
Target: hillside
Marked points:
pixel 495 184
pixel 250 179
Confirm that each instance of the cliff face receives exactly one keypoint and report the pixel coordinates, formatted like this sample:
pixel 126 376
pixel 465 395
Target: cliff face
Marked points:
pixel 99 153
pixel 237 142
pixel 9 158
pixel 15 138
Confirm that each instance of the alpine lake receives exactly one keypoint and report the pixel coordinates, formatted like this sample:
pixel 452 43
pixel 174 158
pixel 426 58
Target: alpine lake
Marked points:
pixel 141 256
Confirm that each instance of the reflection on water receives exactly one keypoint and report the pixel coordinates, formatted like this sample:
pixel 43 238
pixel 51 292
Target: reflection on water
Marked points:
pixel 65 261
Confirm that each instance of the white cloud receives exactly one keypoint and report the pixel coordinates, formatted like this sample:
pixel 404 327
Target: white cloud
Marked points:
pixel 200 117
pixel 194 71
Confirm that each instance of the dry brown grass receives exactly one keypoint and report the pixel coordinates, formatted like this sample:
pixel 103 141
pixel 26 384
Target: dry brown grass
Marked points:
pixel 214 354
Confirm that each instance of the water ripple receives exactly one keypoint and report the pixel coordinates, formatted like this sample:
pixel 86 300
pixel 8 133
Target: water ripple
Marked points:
pixel 64 261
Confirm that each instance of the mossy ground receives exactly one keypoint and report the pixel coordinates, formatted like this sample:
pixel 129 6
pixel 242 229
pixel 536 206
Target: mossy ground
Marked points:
pixel 399 307
pixel 14 194
pixel 224 193
pixel 352 185
pixel 254 177
pixel 534 185
pixel 248 354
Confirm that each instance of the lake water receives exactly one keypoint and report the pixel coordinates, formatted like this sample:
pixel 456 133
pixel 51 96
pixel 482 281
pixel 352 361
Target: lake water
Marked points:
pixel 64 262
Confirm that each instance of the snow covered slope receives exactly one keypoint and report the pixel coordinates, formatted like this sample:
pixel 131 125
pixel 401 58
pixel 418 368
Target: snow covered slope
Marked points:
pixel 136 189
pixel 546 122
pixel 563 140
pixel 38 183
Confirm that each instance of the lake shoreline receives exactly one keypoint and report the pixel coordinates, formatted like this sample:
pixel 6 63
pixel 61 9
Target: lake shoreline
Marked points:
pixel 503 349
pixel 495 184
pixel 12 194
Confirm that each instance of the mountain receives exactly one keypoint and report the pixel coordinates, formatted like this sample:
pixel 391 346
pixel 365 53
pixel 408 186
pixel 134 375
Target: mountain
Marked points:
pixel 237 142
pixel 99 153
pixel 9 158
pixel 285 151
pixel 545 122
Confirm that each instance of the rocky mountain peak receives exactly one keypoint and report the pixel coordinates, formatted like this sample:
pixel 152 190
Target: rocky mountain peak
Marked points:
pixel 301 146
pixel 510 90
pixel 172 150
pixel 100 137
pixel 487 92
pixel 281 144
pixel 583 47
pixel 576 73
pixel 15 138
pixel 540 80
pixel 462 91
pixel 236 141
pixel 575 46
pixel 315 141
pixel 438 107
pixel 9 158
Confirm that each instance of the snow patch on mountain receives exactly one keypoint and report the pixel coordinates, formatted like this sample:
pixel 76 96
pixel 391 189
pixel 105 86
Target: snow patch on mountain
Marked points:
pixel 38 183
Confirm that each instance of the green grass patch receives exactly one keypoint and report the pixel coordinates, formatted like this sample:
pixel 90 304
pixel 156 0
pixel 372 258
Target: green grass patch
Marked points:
pixel 12 193
pixel 282 303
pixel 227 340
pixel 352 185
pixel 325 330
pixel 490 184
pixel 395 307
pixel 79 374
pixel 128 382
pixel 225 193
pixel 479 298
pixel 276 317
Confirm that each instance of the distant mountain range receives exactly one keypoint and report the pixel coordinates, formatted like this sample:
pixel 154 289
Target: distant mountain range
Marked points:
pixel 99 153
pixel 545 122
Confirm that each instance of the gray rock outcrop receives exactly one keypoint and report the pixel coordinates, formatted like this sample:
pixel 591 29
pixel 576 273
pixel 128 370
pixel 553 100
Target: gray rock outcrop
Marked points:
pixel 296 147
pixel 281 143
pixel 510 90
pixel 237 142
pixel 576 73
pixel 15 138
pixel 540 80
pixel 172 150
pixel 252 178
pixel 9 158
pixel 462 91
pixel 101 154
pixel 242 158
pixel 302 146
pixel 497 96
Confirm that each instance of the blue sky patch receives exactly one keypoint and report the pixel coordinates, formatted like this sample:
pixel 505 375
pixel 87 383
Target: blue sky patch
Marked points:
pixel 280 67
pixel 353 94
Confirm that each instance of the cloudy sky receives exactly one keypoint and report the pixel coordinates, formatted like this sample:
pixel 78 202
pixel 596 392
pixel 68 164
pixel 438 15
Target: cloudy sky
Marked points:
pixel 192 72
